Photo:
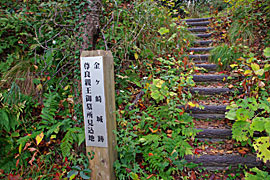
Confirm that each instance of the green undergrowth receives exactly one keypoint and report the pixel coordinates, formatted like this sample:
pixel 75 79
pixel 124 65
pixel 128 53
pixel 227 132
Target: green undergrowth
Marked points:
pixel 41 124
pixel 151 73
pixel 42 135
pixel 246 53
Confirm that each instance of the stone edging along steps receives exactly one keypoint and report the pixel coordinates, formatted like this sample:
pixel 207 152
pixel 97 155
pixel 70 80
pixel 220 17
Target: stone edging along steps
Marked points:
pixel 199 26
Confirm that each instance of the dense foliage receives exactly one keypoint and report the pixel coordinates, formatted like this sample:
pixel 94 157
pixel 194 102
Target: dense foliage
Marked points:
pixel 246 52
pixel 41 120
pixel 41 123
pixel 152 130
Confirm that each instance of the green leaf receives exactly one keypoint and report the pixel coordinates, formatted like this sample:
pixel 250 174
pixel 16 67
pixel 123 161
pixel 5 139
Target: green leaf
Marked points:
pixel 72 174
pixel 255 67
pixel 244 114
pixel 65 145
pixel 76 168
pixel 266 52
pixel 259 72
pixel 267 126
pixel 157 96
pixel 259 174
pixel 81 137
pixel 158 82
pixel 231 114
pixel 240 130
pixel 257 124
pixel 15 134
pixel 262 146
pixel 84 176
pixel 4 119
pixel 134 176
pixel 163 30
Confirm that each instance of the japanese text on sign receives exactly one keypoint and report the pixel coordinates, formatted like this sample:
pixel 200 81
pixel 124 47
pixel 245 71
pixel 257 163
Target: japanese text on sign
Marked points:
pixel 94 101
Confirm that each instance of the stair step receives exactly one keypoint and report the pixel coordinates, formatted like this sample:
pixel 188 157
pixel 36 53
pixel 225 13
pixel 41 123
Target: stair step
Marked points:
pixel 199 29
pixel 211 91
pixel 205 35
pixel 214 133
pixel 212 140
pixel 202 23
pixel 220 133
pixel 217 161
pixel 209 109
pixel 204 42
pixel 197 19
pixel 200 49
pixel 209 116
pixel 199 57
pixel 209 67
pixel 209 78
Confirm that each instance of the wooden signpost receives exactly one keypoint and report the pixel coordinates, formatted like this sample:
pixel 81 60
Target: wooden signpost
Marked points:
pixel 97 75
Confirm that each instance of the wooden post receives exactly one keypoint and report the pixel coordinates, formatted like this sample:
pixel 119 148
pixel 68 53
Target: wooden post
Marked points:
pixel 103 147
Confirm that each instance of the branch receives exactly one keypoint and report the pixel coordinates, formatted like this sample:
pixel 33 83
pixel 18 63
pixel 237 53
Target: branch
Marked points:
pixel 138 97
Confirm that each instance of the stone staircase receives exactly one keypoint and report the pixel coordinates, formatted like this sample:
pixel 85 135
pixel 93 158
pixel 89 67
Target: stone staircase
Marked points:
pixel 199 54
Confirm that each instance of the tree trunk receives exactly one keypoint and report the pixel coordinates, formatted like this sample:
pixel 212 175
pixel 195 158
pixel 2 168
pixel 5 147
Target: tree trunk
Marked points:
pixel 88 32
pixel 90 24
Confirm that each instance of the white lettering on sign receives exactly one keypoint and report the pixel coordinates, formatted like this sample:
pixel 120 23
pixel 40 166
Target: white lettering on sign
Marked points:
pixel 94 101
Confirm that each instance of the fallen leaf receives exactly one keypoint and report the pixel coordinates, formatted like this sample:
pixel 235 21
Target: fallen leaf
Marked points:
pixel 39 87
pixel 197 151
pixel 17 162
pixel 153 131
pixel 32 149
pixel 191 104
pixel 150 176
pixel 193 176
pixel 26 145
pixel 39 138
pixel 233 65
pixel 242 152
pixel 261 84
pixel 32 159
pixel 169 131
pixel 14 177
pixel 136 56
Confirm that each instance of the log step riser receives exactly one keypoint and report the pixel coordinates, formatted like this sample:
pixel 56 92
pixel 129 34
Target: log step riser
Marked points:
pixel 201 49
pixel 209 78
pixel 199 29
pixel 209 67
pixel 199 57
pixel 211 91
pixel 215 133
pixel 203 23
pixel 209 109
pixel 224 161
pixel 219 133
pixel 203 35
pixel 206 42
pixel 197 19
pixel 209 116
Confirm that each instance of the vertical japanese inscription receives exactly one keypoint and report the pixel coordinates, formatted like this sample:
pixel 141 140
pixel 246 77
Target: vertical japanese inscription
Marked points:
pixel 94 101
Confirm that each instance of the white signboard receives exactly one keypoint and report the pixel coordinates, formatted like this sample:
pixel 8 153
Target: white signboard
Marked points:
pixel 94 101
